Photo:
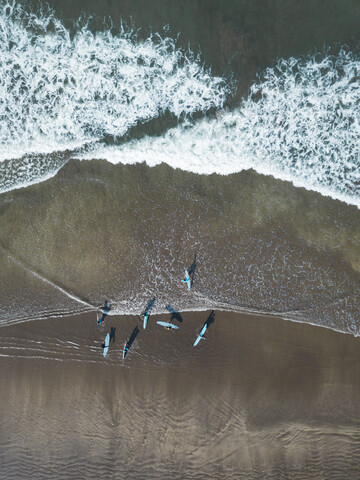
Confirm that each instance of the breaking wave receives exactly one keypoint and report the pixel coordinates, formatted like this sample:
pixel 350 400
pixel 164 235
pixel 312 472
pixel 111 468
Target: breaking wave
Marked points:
pixel 58 91
pixel 300 123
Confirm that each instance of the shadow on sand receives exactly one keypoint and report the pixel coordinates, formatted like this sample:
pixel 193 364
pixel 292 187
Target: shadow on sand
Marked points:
pixel 210 319
pixel 105 310
pixel 149 306
pixel 112 334
pixel 130 341
pixel 175 314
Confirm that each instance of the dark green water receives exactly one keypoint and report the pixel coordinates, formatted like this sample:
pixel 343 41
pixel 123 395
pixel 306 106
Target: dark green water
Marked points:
pixel 237 38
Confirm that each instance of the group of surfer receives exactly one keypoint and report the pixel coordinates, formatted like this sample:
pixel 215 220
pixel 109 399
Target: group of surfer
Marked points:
pixel 188 280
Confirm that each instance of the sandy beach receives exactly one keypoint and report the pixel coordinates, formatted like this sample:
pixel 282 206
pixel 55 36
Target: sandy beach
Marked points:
pixel 259 398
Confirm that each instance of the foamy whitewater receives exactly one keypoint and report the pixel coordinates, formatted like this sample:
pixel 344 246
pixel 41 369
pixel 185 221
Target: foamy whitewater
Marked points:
pixel 300 123
pixel 60 93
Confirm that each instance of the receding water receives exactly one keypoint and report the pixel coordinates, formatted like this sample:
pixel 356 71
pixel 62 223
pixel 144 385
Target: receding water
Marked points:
pixel 126 232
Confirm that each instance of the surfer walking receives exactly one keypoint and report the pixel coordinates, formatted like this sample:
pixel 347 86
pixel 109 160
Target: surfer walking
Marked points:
pixel 146 314
pixel 105 310
pixel 187 280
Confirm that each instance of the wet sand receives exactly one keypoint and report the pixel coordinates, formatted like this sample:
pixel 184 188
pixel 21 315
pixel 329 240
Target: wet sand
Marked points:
pixel 259 398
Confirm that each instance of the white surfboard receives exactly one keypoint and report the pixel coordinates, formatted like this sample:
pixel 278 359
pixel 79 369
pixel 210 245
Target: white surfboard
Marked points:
pixel 201 335
pixel 146 317
pixel 107 343
pixel 168 325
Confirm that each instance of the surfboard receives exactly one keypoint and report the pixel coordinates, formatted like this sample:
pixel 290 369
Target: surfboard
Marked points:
pixel 187 280
pixel 125 350
pixel 107 343
pixel 168 325
pixel 200 336
pixel 146 317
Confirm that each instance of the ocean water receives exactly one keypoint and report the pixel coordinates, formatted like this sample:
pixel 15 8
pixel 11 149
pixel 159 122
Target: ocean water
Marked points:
pixel 126 153
pixel 301 123
pixel 61 92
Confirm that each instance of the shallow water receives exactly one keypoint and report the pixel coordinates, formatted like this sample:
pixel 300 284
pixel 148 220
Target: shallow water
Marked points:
pixel 126 233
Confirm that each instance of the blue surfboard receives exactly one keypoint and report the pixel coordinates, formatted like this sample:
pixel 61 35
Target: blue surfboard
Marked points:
pixel 201 335
pixel 168 325
pixel 107 343
pixel 126 349
pixel 146 317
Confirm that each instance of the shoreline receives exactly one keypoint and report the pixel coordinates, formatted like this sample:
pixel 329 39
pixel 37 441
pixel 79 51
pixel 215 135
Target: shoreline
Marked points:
pixel 242 312
pixel 192 320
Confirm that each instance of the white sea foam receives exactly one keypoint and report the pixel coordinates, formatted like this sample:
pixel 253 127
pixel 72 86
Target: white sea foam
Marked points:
pixel 300 123
pixel 58 92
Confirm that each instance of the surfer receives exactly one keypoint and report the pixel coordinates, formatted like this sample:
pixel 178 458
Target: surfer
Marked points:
pixel 105 310
pixel 146 314
pixel 209 321
pixel 187 279
pixel 126 349
pixel 169 326
pixel 189 274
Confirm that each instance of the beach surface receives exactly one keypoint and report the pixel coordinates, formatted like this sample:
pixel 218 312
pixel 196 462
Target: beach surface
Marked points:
pixel 259 398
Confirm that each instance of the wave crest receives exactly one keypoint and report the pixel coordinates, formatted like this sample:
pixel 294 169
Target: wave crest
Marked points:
pixel 58 92
pixel 301 123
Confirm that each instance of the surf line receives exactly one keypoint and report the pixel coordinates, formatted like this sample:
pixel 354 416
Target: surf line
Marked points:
pixel 45 280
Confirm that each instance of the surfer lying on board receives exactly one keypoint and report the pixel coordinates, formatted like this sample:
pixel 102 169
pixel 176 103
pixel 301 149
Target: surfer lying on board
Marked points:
pixel 105 310
pixel 168 325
